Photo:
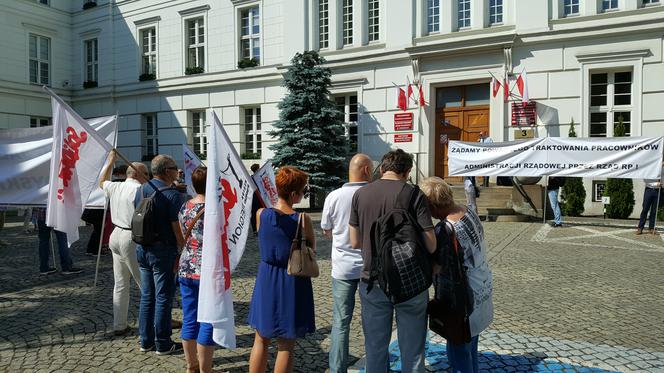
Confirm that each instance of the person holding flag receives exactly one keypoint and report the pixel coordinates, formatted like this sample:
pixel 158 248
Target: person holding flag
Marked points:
pixel 282 306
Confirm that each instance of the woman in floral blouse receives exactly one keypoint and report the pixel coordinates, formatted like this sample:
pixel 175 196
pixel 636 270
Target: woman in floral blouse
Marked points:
pixel 196 337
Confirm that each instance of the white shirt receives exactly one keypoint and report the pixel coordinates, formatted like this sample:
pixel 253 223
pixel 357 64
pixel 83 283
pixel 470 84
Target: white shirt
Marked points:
pixel 346 261
pixel 654 183
pixel 486 140
pixel 121 195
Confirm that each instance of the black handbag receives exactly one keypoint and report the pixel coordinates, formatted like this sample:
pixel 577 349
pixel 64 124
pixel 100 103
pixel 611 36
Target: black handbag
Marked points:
pixel 449 311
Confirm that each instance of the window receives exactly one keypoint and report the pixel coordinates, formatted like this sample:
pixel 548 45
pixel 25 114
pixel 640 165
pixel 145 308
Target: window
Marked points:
pixel 198 134
pixel 373 20
pixel 495 12
pixel 610 102
pixel 650 2
pixel 250 39
pixel 347 105
pixel 252 130
pixel 609 4
pixel 347 28
pixel 570 7
pixel 463 14
pixel 39 65
pixel 45 2
pixel 150 141
pixel 39 122
pixel 433 16
pixel 196 43
pixel 91 60
pixel 323 24
pixel 149 51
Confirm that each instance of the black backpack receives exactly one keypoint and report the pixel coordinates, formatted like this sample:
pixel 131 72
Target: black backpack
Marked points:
pixel 400 262
pixel 143 226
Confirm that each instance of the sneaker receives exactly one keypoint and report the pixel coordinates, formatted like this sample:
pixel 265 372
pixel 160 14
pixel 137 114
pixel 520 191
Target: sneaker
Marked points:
pixel 175 347
pixel 558 225
pixel 147 349
pixel 72 271
pixel 121 333
pixel 48 271
pixel 639 231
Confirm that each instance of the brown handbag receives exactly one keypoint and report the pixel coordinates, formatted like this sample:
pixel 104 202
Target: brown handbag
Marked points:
pixel 302 259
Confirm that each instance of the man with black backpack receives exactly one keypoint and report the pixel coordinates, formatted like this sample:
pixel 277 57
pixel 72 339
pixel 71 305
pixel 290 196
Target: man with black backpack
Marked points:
pixel 391 222
pixel 156 230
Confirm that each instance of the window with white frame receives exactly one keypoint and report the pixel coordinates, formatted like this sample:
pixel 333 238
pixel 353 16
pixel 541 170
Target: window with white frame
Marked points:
pixel 570 7
pixel 198 134
pixel 463 13
pixel 609 4
pixel 250 35
pixel 149 51
pixel 150 138
pixel 39 122
pixel 347 105
pixel 39 59
pixel 91 60
pixel 347 22
pixel 45 2
pixel 650 2
pixel 433 16
pixel 252 130
pixel 323 24
pixel 610 102
pixel 196 43
pixel 373 19
pixel 495 12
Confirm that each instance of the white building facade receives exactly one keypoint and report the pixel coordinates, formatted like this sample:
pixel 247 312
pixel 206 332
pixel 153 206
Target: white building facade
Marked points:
pixel 166 66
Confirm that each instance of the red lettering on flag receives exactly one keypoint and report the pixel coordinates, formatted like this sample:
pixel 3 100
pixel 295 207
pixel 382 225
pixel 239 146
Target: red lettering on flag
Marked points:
pixel 229 195
pixel 69 157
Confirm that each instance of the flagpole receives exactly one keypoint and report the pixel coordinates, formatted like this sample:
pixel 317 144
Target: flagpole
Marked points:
pixel 546 193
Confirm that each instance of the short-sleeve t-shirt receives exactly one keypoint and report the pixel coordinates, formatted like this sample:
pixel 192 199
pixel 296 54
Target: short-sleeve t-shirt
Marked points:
pixel 373 201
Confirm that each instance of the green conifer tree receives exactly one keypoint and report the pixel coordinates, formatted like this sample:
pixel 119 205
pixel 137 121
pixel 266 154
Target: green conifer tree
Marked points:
pixel 310 133
pixel 573 192
pixel 621 191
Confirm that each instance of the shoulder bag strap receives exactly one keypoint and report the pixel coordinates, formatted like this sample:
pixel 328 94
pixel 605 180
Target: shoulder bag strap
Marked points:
pixel 298 231
pixel 187 234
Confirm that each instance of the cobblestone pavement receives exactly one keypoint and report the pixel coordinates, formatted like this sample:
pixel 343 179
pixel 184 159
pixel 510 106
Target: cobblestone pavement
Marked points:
pixel 583 297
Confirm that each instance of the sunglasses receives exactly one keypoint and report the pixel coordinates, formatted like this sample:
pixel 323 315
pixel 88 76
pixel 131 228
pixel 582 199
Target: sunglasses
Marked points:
pixel 172 168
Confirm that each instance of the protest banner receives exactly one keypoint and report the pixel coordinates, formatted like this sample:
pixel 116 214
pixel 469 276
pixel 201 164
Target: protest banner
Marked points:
pixel 266 184
pixel 228 195
pixel 191 162
pixel 615 157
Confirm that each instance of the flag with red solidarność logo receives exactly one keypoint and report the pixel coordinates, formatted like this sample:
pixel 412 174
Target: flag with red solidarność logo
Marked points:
pixel 191 163
pixel 228 194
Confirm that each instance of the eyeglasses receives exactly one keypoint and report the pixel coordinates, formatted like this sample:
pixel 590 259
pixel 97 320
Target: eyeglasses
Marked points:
pixel 306 191
pixel 172 168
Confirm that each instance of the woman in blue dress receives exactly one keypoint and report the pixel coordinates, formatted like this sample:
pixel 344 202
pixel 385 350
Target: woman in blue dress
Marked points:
pixel 282 305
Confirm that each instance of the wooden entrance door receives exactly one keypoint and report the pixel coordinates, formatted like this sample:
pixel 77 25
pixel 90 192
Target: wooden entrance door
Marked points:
pixel 458 122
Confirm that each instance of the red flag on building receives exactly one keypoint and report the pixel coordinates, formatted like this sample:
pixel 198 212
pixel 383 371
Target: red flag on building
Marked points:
pixel 402 101
pixel 522 85
pixel 422 102
pixel 506 88
pixel 495 86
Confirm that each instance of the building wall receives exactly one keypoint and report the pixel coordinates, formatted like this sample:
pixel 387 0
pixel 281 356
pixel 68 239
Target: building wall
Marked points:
pixel 559 53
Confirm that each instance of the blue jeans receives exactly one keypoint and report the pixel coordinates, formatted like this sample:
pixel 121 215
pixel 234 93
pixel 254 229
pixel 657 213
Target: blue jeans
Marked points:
pixel 555 206
pixel 191 328
pixel 44 234
pixel 649 203
pixel 157 292
pixel 463 357
pixel 377 311
pixel 343 293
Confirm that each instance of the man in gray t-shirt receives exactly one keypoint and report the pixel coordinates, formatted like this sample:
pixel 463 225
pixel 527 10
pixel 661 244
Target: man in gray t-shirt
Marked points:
pixel 369 203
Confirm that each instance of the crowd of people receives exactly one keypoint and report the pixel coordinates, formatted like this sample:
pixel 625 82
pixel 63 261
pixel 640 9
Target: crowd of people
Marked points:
pixel 282 305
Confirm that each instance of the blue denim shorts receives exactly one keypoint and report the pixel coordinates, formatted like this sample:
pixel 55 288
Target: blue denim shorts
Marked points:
pixel 191 328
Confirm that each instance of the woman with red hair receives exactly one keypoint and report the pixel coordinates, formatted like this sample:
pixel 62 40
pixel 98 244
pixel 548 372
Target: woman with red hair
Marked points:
pixel 282 305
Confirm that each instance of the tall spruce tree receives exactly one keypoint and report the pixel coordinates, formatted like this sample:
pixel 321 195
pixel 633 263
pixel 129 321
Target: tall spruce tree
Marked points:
pixel 573 192
pixel 621 191
pixel 310 133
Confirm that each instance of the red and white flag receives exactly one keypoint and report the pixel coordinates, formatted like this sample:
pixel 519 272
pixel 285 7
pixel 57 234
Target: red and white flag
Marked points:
pixel 495 86
pixel 266 184
pixel 78 157
pixel 228 194
pixel 422 102
pixel 506 88
pixel 402 101
pixel 191 162
pixel 410 92
pixel 522 85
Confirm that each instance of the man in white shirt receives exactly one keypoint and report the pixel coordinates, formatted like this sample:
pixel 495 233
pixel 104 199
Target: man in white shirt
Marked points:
pixel 346 261
pixel 650 198
pixel 121 195
pixel 485 139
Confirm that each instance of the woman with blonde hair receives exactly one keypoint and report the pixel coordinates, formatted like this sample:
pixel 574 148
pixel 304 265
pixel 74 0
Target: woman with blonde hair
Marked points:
pixel 282 305
pixel 462 224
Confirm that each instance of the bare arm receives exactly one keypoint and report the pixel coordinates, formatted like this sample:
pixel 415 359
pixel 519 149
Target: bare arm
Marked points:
pixel 258 218
pixel 309 232
pixel 354 237
pixel 327 233
pixel 178 234
pixel 430 240
pixel 108 169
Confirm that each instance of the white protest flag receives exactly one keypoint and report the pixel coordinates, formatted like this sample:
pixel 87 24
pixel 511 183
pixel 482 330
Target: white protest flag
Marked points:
pixel 266 184
pixel 228 196
pixel 191 162
pixel 78 156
